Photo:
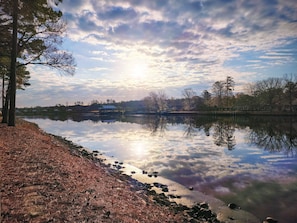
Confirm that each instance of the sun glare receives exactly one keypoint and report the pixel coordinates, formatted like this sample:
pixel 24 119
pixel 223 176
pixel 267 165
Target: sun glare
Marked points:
pixel 139 148
pixel 139 70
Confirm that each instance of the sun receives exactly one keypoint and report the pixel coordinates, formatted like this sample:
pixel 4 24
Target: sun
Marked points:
pixel 139 70
pixel 135 68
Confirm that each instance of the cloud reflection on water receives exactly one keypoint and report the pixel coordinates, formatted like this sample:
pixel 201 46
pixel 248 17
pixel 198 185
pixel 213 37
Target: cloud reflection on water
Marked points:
pixel 224 158
pixel 183 152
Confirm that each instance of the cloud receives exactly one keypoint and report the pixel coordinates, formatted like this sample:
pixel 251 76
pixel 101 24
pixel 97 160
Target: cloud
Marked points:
pixel 196 42
pixel 225 20
pixel 117 13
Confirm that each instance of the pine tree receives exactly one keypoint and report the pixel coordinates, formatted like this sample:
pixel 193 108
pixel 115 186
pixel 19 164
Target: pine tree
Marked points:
pixel 38 28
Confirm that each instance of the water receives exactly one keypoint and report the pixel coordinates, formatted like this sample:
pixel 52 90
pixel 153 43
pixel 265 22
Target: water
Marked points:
pixel 248 161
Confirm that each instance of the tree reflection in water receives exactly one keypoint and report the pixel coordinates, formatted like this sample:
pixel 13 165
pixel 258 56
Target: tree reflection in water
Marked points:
pixel 156 124
pixel 271 133
pixel 190 127
pixel 274 134
pixel 224 134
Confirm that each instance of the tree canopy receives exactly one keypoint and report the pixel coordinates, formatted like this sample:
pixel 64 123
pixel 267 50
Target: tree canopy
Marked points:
pixel 39 28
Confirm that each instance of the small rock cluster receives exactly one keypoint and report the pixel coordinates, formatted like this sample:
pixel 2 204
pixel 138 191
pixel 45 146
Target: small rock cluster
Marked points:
pixel 200 212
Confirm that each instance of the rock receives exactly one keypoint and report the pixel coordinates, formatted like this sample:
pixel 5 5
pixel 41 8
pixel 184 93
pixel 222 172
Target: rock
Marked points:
pixel 84 153
pixel 233 206
pixel 196 208
pixel 204 205
pixel 205 213
pixel 172 196
pixel 270 220
pixel 165 189
pixel 201 213
pixel 162 186
pixel 191 188
pixel 156 184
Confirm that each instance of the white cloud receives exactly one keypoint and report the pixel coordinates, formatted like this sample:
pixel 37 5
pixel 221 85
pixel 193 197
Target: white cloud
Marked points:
pixel 192 41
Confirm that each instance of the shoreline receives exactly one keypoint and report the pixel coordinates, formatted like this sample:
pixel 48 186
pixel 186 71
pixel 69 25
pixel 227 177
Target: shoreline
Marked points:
pixel 176 195
pixel 89 167
pixel 215 113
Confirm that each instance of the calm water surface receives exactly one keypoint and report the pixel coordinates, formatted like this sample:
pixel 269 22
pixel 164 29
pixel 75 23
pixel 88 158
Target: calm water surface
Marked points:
pixel 248 161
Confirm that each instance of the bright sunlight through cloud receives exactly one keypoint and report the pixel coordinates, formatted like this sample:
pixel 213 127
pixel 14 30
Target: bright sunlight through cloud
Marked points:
pixel 139 70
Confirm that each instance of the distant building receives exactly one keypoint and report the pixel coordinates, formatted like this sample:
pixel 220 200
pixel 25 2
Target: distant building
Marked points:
pixel 107 108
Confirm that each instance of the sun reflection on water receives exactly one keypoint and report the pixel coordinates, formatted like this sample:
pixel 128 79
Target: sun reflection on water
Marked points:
pixel 139 148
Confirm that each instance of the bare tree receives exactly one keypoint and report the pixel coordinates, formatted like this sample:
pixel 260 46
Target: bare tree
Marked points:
pixel 218 89
pixel 156 102
pixel 290 89
pixel 269 92
pixel 189 95
pixel 162 101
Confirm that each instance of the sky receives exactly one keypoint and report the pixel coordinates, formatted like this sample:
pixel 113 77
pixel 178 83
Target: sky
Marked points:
pixel 126 49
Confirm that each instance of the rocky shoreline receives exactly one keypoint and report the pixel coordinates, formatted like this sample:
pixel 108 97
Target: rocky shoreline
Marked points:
pixel 199 212
pixel 46 178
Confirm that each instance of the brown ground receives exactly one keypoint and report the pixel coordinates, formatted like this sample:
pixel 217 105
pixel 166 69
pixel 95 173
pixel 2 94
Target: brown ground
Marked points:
pixel 44 180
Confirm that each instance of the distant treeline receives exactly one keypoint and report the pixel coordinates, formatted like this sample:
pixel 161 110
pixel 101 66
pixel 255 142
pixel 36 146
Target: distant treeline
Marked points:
pixel 272 94
pixel 269 95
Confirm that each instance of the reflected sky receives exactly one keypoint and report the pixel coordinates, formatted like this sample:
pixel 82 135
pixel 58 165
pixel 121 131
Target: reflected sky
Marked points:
pixel 197 159
pixel 172 152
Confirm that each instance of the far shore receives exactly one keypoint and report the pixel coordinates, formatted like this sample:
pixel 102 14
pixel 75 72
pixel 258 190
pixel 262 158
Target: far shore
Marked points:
pixel 229 113
pixel 225 112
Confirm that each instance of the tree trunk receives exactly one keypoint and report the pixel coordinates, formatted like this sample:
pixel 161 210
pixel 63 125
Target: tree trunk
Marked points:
pixel 3 90
pixel 5 107
pixel 12 80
